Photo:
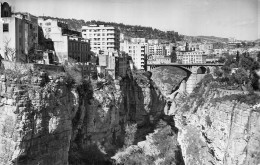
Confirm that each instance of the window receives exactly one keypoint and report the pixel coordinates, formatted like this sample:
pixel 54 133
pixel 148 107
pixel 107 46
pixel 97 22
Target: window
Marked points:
pixel 5 27
pixel 47 23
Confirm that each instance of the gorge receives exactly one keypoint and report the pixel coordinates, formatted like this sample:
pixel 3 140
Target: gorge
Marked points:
pixel 55 118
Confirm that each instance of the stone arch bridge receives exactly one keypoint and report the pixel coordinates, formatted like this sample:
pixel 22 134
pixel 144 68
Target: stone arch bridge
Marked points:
pixel 195 73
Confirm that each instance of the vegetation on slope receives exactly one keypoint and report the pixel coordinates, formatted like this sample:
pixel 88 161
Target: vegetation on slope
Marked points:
pixel 128 30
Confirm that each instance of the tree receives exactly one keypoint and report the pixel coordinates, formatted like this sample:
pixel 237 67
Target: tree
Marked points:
pixel 208 70
pixel 241 76
pixel 221 60
pixel 226 69
pixel 31 55
pixel 173 56
pixel 246 62
pixel 258 57
pixel 237 57
pixel 218 72
pixel 10 53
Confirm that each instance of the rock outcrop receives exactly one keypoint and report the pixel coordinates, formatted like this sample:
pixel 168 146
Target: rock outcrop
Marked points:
pixel 214 129
pixel 168 78
pixel 50 120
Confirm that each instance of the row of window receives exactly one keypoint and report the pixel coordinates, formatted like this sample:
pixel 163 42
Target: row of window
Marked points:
pixel 98 30
pixel 78 46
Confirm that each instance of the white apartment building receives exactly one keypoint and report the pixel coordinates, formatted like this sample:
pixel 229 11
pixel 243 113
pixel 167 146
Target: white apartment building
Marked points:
pixel 102 37
pixel 157 50
pixel 137 52
pixel 194 57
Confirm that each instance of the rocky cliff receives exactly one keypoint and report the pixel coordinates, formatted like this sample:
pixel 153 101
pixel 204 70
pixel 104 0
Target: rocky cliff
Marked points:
pixel 217 127
pixel 48 119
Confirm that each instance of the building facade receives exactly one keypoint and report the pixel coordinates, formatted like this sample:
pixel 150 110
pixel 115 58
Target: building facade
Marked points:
pixel 159 50
pixel 102 37
pixel 68 44
pixel 19 35
pixel 191 57
pixel 138 53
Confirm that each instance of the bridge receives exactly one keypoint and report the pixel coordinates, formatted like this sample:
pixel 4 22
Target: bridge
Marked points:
pixel 195 73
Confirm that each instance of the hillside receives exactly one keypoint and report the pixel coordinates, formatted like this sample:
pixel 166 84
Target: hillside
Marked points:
pixel 205 38
pixel 128 30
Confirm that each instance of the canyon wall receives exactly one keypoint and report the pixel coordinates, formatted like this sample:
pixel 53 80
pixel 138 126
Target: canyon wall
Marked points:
pixel 51 120
pixel 216 129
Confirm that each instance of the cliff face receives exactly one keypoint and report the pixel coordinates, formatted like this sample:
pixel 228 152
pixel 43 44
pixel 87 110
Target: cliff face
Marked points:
pixel 214 129
pixel 167 78
pixel 45 121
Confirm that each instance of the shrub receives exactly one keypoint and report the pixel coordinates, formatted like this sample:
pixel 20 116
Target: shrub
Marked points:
pixel 100 84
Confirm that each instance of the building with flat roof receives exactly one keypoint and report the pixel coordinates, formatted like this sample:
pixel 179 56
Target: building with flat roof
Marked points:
pixel 138 52
pixel 191 57
pixel 68 44
pixel 102 37
pixel 159 50
pixel 19 34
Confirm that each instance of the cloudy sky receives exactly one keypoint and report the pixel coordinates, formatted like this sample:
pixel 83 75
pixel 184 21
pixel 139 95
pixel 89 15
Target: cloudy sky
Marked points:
pixel 223 18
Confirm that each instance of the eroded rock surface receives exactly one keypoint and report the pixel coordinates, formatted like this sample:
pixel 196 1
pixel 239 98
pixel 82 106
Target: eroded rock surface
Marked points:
pixel 167 78
pixel 47 120
pixel 218 132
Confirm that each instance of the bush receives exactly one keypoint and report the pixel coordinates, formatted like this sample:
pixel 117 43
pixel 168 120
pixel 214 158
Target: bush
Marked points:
pixel 99 84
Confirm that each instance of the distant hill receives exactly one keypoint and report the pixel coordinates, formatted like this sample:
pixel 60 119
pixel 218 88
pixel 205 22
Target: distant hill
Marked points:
pixel 205 38
pixel 258 40
pixel 128 30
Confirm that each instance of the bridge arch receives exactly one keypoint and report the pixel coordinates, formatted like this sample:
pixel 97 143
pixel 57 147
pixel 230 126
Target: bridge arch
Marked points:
pixel 201 70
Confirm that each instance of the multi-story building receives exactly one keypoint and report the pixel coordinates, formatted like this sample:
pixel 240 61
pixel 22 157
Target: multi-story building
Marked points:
pixel 123 64
pixel 157 50
pixel 138 52
pixel 19 35
pixel 158 59
pixel 191 57
pixel 102 37
pixel 68 44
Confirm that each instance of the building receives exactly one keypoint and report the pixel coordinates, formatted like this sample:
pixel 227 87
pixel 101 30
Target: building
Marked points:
pixel 107 63
pixel 123 64
pixel 191 57
pixel 19 35
pixel 206 47
pixel 68 44
pixel 102 37
pixel 137 40
pixel 153 41
pixel 159 50
pixel 138 53
pixel 158 59
pixel 169 48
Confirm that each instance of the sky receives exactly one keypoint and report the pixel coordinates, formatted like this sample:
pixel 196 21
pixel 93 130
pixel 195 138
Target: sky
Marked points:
pixel 222 18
